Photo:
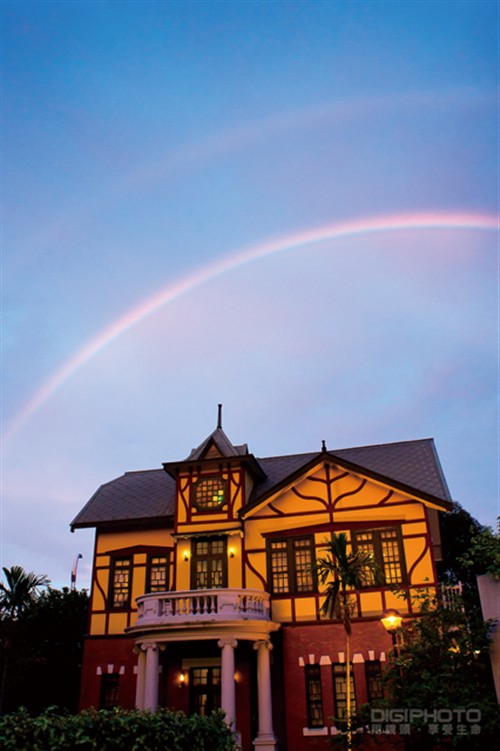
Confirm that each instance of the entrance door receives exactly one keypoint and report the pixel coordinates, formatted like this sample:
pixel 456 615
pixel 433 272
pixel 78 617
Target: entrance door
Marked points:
pixel 204 690
pixel 209 563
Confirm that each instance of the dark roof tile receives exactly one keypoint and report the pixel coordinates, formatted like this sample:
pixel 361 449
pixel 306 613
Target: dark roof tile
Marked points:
pixel 150 494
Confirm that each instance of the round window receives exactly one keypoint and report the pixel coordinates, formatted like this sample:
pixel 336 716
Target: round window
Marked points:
pixel 210 493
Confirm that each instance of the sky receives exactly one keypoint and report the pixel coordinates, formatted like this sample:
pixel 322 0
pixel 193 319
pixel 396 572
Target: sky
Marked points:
pixel 289 208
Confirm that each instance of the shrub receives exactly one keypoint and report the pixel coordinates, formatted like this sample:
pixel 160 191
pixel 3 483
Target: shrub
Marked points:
pixel 114 730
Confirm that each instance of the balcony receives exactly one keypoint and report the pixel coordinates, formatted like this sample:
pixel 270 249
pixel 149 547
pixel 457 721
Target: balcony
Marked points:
pixel 198 607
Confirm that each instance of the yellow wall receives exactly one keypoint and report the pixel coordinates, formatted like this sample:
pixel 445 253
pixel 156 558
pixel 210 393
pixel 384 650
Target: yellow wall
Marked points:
pixel 329 498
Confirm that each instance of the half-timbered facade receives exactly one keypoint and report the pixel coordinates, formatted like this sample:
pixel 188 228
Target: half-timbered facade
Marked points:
pixel 203 594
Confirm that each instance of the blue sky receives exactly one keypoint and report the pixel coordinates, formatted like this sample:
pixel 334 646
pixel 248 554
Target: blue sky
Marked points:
pixel 146 141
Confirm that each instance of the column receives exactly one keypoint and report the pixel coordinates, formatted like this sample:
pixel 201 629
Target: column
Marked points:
pixel 228 692
pixel 141 677
pixel 266 740
pixel 151 677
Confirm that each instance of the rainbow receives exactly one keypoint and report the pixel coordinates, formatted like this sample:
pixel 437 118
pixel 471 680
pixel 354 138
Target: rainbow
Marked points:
pixel 329 232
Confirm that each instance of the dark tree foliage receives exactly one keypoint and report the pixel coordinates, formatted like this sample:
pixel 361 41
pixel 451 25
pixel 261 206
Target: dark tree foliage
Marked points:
pixel 41 651
pixel 458 528
pixel 443 664
pixel 469 550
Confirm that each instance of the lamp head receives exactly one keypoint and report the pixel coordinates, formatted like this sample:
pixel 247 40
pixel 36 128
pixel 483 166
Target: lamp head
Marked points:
pixel 391 620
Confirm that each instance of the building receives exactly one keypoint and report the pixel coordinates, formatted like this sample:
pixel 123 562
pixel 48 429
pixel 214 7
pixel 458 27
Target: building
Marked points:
pixel 202 591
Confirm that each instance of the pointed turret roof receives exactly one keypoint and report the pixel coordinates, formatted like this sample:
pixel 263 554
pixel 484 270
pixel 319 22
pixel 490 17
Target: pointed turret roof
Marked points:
pixel 217 444
pixel 215 447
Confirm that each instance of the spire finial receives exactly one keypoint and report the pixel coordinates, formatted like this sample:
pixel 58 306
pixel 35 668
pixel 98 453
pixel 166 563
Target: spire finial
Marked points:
pixel 323 446
pixel 219 416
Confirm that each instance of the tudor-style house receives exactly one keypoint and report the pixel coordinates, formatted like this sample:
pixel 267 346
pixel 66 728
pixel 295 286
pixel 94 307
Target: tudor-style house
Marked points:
pixel 202 592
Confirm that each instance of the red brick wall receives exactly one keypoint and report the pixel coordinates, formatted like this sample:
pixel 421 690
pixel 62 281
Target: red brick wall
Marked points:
pixel 320 640
pixel 114 653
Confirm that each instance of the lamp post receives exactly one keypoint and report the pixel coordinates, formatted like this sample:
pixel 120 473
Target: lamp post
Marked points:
pixel 74 571
pixel 391 621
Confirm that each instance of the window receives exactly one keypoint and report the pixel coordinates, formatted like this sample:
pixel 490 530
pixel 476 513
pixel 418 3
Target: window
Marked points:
pixel 157 573
pixel 387 549
pixel 204 690
pixel 209 563
pixel 121 582
pixel 314 696
pixel 340 691
pixel 290 565
pixel 209 493
pixel 109 691
pixel 374 683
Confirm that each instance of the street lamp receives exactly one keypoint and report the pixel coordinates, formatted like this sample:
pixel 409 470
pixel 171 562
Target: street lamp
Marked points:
pixel 74 571
pixel 391 621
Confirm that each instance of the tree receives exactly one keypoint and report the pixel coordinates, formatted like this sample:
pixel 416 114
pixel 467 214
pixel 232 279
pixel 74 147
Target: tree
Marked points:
pixel 459 533
pixel 20 591
pixel 41 642
pixel 342 572
pixel 483 554
pixel 17 595
pixel 52 640
pixel 441 677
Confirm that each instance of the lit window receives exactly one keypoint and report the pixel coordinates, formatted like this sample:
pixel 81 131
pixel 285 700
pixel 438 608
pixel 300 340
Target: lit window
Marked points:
pixel 157 577
pixel 290 564
pixel 204 690
pixel 209 563
pixel 209 493
pixel 387 550
pixel 121 581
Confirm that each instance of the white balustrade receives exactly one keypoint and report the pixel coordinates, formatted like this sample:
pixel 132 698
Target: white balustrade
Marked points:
pixel 165 608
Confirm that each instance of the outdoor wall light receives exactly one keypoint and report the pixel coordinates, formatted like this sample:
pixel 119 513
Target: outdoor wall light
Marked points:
pixel 182 679
pixel 231 552
pixel 186 555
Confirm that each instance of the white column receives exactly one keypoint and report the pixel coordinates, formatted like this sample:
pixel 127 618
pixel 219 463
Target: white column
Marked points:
pixel 266 740
pixel 228 692
pixel 141 677
pixel 151 678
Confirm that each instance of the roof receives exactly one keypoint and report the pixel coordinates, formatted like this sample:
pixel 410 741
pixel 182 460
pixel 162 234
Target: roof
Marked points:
pixel 219 440
pixel 412 465
pixel 135 496
pixel 150 495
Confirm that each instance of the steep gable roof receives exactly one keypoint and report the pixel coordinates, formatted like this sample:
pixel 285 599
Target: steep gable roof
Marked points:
pixel 149 495
pixel 412 463
pixel 217 444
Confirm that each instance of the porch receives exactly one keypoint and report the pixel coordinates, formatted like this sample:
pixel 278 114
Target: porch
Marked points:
pixel 224 617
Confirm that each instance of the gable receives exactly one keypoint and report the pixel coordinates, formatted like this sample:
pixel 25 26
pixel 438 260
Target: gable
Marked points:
pixel 329 492
pixel 412 467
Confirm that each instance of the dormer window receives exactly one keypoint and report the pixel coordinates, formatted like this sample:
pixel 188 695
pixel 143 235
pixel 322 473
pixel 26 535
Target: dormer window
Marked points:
pixel 209 493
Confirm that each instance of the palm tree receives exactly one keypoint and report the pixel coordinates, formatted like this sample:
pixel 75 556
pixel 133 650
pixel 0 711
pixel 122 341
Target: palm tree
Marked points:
pixel 21 589
pixel 341 571
pixel 17 594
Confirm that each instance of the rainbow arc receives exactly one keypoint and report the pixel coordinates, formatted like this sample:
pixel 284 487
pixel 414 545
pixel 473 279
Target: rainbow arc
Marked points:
pixel 330 232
